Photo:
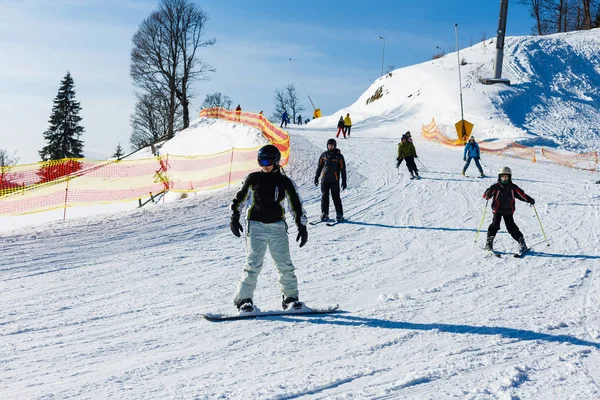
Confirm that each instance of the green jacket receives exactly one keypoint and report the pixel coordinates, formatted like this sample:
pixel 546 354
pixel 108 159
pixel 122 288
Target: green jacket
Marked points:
pixel 406 149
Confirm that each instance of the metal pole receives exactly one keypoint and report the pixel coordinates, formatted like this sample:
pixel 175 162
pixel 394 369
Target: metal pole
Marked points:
pixel 301 81
pixel 463 133
pixel 459 77
pixel 382 54
pixel 538 218
pixel 500 38
pixel 482 218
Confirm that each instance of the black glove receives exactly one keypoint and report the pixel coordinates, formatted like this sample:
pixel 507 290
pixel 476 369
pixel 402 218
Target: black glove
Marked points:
pixel 531 201
pixel 464 158
pixel 344 186
pixel 235 225
pixel 302 235
pixel 316 181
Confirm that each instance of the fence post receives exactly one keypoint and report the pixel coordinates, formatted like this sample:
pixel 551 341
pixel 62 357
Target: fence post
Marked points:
pixel 66 194
pixel 230 168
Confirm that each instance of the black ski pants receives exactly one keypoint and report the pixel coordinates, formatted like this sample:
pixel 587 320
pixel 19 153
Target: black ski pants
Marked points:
pixel 511 227
pixel 334 188
pixel 410 164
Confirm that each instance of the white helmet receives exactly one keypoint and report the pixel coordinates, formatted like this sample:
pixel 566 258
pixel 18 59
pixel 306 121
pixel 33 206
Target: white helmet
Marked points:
pixel 505 171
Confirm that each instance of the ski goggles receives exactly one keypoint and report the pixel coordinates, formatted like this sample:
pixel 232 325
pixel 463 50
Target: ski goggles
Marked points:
pixel 265 162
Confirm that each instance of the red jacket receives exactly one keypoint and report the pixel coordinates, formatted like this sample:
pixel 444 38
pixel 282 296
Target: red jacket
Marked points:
pixel 504 196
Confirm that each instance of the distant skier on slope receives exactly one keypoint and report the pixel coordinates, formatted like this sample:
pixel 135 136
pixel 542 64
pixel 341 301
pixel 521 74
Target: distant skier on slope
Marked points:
pixel 472 153
pixel 332 168
pixel 407 152
pixel 266 227
pixel 504 193
pixel 341 128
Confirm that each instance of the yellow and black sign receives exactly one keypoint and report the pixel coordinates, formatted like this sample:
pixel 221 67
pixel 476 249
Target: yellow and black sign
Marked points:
pixel 463 130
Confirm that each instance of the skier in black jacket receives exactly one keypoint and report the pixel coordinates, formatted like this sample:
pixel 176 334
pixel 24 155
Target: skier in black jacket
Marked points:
pixel 504 193
pixel 266 227
pixel 331 169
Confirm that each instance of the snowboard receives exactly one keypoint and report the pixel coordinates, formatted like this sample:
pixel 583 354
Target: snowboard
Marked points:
pixel 271 313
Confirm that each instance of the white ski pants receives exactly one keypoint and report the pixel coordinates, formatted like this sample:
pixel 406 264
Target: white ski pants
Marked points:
pixel 259 236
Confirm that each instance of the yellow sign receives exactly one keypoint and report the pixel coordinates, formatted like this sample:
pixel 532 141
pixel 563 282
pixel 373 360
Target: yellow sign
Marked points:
pixel 468 128
pixel 317 113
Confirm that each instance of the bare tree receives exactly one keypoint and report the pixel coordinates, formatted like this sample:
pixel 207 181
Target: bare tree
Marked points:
pixel 281 105
pixel 150 120
pixel 217 99
pixel 535 11
pixel 163 58
pixel 292 101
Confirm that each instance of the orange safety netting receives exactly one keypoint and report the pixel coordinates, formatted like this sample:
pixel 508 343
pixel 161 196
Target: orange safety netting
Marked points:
pixel 510 149
pixel 75 182
pixel 275 134
pixel 573 160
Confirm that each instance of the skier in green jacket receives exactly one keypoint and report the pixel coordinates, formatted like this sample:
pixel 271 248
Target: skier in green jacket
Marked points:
pixel 407 152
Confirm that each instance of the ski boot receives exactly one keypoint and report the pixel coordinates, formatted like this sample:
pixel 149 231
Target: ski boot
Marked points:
pixel 522 245
pixel 291 303
pixel 339 217
pixel 324 217
pixel 463 173
pixel 245 305
pixel 489 244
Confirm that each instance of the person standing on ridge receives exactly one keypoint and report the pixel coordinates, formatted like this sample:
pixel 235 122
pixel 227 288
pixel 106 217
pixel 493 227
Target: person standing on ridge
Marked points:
pixel 266 227
pixel 347 124
pixel 238 113
pixel 284 119
pixel 407 152
pixel 331 168
pixel 299 119
pixel 504 192
pixel 473 153
pixel 341 128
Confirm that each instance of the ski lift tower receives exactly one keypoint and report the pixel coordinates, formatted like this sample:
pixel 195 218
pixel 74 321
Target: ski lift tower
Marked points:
pixel 499 47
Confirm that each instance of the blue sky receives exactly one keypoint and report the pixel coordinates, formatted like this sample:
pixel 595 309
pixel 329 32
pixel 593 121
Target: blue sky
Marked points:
pixel 334 46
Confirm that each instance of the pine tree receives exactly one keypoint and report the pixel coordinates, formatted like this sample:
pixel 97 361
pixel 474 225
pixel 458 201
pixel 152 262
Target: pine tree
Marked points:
pixel 118 152
pixel 64 131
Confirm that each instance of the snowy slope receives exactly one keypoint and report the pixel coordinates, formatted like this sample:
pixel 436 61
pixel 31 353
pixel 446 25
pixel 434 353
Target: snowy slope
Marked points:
pixel 553 99
pixel 109 306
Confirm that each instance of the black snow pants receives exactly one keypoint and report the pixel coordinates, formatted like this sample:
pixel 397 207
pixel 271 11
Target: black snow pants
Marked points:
pixel 334 188
pixel 511 227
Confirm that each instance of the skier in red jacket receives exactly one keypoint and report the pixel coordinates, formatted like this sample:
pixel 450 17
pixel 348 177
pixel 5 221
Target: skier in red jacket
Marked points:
pixel 503 195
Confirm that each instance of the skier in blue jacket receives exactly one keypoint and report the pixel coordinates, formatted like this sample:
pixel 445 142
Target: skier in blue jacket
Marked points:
pixel 473 153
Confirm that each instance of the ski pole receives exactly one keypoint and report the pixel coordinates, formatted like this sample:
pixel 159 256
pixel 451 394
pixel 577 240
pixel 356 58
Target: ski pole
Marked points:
pixel 482 218
pixel 426 169
pixel 538 218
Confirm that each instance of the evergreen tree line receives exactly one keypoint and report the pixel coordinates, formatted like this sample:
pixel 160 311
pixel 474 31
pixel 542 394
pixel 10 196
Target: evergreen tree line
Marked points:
pixel 554 16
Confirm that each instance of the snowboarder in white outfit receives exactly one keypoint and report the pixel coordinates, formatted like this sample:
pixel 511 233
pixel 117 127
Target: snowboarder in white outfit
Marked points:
pixel 266 227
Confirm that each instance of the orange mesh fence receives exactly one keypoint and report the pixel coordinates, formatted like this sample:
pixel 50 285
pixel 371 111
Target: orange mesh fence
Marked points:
pixel 128 180
pixel 585 161
pixel 65 183
pixel 275 134
pixel 507 149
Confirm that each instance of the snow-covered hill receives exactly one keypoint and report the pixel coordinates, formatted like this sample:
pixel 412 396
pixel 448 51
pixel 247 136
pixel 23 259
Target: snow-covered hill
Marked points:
pixel 109 306
pixel 553 100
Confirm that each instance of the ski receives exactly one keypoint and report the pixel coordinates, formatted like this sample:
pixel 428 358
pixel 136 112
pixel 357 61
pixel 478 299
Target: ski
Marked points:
pixel 304 311
pixel 320 221
pixel 493 253
pixel 521 254
pixel 334 223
